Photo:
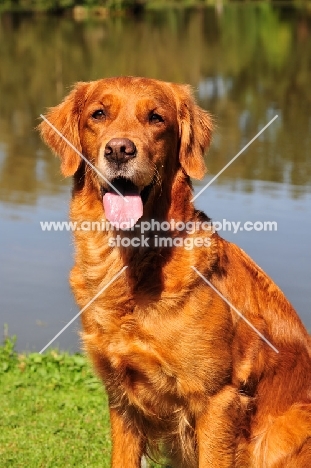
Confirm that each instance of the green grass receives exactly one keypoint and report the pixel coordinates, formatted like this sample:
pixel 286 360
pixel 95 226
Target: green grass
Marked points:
pixel 53 411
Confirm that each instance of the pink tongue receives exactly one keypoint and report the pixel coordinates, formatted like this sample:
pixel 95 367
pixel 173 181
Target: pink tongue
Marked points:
pixel 123 212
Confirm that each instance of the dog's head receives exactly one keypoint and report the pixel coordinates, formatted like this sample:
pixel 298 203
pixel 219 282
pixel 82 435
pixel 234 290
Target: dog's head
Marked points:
pixel 136 132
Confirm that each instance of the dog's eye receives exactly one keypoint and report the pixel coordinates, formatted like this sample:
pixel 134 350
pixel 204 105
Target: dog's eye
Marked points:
pixel 99 114
pixel 155 118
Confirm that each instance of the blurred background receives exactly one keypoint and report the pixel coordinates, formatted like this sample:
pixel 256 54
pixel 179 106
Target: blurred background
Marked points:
pixel 247 62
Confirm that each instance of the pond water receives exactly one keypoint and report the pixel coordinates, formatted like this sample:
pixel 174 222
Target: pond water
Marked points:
pixel 246 64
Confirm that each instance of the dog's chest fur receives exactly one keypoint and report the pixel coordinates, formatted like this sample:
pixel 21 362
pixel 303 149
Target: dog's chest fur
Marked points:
pixel 146 355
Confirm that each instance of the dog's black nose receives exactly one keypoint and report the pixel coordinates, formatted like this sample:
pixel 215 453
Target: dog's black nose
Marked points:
pixel 120 150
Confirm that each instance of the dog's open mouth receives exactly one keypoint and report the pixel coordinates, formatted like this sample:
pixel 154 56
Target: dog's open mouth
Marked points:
pixel 123 209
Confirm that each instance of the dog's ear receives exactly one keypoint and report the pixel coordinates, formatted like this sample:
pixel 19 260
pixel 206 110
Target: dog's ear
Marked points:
pixel 195 127
pixel 65 118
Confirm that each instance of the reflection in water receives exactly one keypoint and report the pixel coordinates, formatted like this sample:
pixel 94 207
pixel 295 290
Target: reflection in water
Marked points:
pixel 246 63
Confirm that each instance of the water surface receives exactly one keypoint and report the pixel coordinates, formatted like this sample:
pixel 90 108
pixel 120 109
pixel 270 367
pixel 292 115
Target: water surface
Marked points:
pixel 246 65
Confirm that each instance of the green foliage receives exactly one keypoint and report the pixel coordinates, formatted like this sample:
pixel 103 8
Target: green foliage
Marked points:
pixel 61 5
pixel 55 368
pixel 8 357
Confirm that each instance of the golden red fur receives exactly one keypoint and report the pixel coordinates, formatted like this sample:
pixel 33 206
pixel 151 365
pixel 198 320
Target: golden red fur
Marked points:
pixel 183 372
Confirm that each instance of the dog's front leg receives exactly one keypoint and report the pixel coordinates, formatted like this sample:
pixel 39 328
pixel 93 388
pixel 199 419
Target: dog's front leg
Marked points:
pixel 127 444
pixel 217 429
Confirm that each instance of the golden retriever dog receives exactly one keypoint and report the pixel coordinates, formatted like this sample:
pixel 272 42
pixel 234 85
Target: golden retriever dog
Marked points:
pixel 202 356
